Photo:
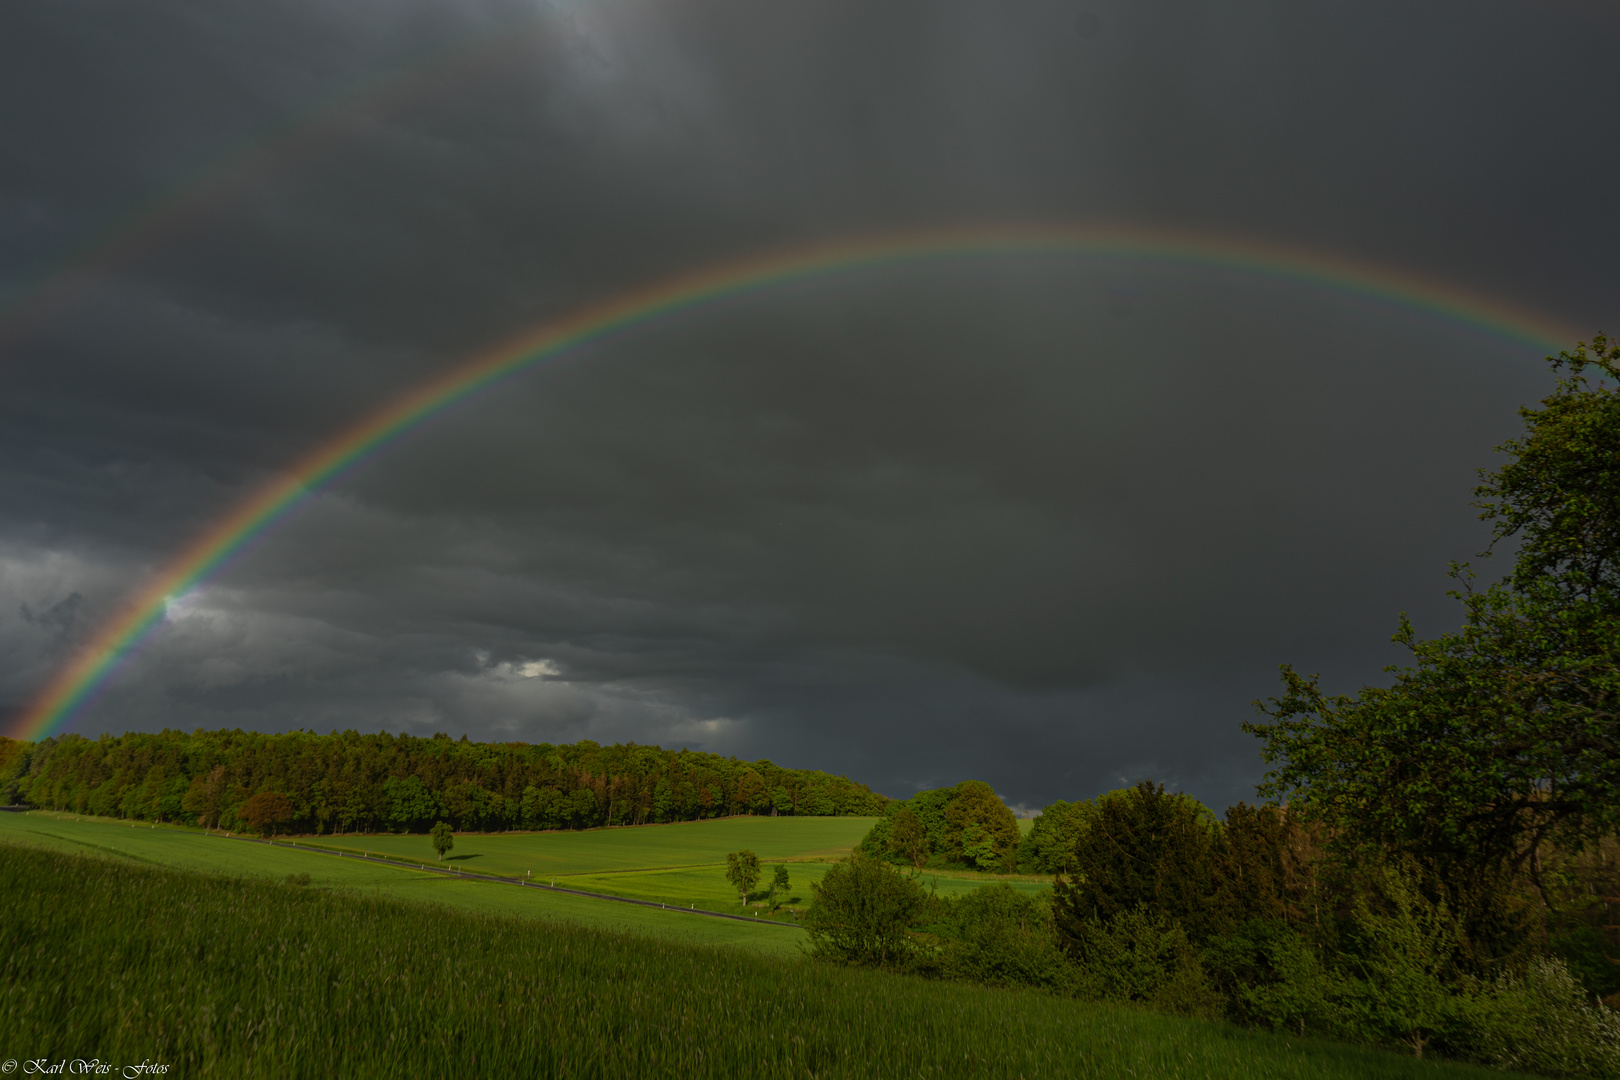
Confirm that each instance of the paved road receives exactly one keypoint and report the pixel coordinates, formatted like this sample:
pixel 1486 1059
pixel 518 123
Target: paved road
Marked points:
pixel 448 871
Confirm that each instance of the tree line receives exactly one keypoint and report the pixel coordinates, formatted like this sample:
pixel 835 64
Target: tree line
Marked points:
pixel 1437 865
pixel 348 782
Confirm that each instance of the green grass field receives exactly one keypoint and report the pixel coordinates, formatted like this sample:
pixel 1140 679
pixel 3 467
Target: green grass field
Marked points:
pixel 189 849
pixel 682 865
pixel 647 847
pixel 105 958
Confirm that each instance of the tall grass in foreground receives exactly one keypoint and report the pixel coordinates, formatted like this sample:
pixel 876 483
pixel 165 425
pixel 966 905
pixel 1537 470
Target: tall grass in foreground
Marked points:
pixel 222 976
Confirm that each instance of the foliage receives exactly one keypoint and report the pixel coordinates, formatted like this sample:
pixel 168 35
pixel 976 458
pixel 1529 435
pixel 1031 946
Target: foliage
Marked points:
pixel 1584 889
pixel 1272 977
pixel 998 936
pixel 966 825
pixel 1497 735
pixel 983 833
pixel 1541 1021
pixel 1405 949
pixel 742 870
pixel 267 810
pixel 1141 848
pixel 1141 956
pixel 861 912
pixel 907 838
pixel 779 881
pixel 1503 734
pixel 443 838
pixel 1252 873
pixel 365 783
pixel 1560 493
pixel 1053 838
pixel 205 796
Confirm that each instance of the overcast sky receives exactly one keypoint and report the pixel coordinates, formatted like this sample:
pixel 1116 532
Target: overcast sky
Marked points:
pixel 1050 523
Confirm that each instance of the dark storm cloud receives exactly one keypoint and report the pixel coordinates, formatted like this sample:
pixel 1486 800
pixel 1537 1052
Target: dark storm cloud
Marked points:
pixel 1048 522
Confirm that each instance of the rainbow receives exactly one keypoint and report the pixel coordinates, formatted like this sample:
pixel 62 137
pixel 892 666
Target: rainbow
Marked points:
pixel 75 683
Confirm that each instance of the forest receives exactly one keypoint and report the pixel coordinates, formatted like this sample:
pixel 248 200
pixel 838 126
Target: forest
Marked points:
pixel 348 782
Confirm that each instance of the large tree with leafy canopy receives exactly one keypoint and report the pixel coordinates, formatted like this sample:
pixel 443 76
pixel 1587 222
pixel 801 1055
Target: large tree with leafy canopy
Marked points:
pixel 1506 732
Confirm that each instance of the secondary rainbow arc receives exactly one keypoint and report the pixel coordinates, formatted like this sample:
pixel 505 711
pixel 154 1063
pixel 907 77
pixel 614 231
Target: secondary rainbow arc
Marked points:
pixel 77 681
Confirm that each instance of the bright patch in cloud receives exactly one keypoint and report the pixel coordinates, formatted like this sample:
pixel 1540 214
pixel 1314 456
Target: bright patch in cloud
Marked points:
pixel 539 669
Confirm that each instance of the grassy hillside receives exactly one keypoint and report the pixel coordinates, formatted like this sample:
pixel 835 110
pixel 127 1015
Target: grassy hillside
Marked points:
pixel 220 976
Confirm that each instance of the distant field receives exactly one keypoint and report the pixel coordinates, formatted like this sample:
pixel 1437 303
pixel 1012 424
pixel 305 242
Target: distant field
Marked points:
pixel 189 849
pixel 647 847
pixel 217 976
pixel 682 865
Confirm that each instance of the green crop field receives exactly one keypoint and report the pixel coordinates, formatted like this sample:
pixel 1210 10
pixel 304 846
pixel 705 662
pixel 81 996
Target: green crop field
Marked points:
pixel 104 958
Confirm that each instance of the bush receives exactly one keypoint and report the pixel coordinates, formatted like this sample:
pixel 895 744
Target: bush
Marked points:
pixel 1541 1021
pixel 1142 956
pixel 1271 977
pixel 1000 936
pixel 861 912
pixel 1405 948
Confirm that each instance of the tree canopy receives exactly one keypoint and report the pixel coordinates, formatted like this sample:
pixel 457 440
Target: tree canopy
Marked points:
pixel 1504 733
pixel 349 782
pixel 266 811
pixel 965 825
pixel 863 907
pixel 443 838
pixel 742 870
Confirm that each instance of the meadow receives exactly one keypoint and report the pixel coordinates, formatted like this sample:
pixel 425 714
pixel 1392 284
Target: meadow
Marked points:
pixel 644 847
pixel 680 864
pixel 104 958
pixel 191 849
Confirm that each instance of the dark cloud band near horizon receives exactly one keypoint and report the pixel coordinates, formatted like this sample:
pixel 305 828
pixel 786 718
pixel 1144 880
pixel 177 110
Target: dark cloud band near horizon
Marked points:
pixel 1048 525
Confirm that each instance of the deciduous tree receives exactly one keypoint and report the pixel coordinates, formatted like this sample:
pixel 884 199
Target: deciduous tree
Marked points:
pixel 1507 731
pixel 267 810
pixel 443 838
pixel 907 838
pixel 742 870
pixel 980 820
